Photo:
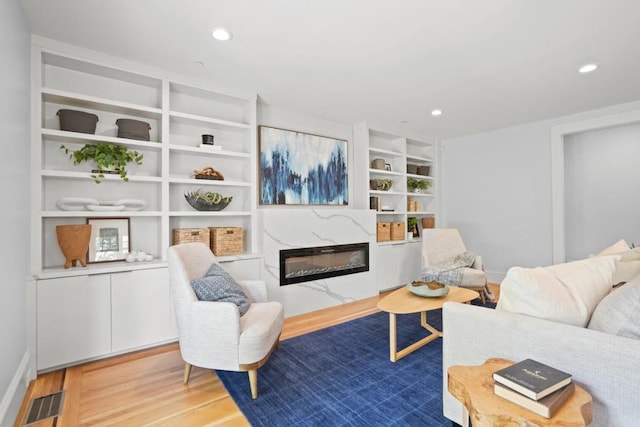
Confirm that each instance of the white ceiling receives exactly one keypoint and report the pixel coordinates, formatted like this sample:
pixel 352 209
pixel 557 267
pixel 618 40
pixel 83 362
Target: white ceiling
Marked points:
pixel 487 63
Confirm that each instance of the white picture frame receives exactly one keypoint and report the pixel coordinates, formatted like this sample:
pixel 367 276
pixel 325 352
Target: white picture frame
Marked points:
pixel 110 239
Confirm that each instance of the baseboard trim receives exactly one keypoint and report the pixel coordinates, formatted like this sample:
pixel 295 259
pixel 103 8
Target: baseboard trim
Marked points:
pixel 12 399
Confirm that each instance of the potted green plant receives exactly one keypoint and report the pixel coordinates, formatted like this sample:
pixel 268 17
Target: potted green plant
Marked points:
pixel 109 158
pixel 418 185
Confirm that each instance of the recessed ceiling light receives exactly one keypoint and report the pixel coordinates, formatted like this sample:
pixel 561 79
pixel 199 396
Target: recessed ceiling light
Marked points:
pixel 221 34
pixel 436 113
pixel 587 68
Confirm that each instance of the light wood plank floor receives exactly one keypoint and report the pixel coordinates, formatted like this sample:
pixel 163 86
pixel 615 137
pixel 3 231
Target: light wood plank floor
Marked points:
pixel 145 388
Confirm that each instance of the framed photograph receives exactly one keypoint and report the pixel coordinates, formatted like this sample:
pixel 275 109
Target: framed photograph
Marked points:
pixel 110 239
pixel 412 227
pixel 298 168
pixel 387 167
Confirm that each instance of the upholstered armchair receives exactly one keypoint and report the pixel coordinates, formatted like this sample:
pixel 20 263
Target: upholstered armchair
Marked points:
pixel 212 334
pixel 442 244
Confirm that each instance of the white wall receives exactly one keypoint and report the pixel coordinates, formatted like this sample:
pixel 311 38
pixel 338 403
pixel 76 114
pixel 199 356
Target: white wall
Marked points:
pixel 496 188
pixel 14 193
pixel 602 184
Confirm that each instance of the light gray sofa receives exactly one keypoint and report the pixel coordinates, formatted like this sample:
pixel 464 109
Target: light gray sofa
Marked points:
pixel 607 366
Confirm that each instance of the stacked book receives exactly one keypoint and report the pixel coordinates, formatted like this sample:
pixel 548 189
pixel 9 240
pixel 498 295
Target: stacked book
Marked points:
pixel 534 386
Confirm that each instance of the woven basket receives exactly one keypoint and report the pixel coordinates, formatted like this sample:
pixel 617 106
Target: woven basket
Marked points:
pixel 189 235
pixel 383 231
pixel 398 231
pixel 227 240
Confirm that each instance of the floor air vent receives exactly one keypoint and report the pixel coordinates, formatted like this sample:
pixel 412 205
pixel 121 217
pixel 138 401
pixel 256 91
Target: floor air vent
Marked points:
pixel 44 407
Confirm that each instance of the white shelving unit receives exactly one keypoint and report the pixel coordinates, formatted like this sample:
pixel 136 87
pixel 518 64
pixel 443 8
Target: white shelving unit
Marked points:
pixel 178 113
pixel 398 260
pixel 396 152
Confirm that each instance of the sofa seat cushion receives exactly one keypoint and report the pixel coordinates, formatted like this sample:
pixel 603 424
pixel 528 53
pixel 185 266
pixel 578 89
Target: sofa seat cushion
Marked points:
pixel 217 285
pixel 259 330
pixel 566 293
pixel 619 312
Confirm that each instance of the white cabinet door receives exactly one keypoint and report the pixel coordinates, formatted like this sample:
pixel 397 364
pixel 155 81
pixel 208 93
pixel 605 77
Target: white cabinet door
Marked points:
pixel 409 262
pixel 141 309
pixel 73 319
pixel 387 267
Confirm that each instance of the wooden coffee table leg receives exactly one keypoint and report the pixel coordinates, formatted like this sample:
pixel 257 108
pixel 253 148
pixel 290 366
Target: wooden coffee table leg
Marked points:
pixel 428 327
pixel 396 355
pixel 392 337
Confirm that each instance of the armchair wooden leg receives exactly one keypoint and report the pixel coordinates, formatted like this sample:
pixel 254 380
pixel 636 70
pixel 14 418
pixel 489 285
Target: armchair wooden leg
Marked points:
pixel 253 382
pixel 187 372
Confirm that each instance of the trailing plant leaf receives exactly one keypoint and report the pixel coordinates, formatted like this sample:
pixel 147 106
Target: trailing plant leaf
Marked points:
pixel 106 156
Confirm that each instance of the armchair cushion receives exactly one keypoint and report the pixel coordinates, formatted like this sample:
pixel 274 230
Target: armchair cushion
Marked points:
pixel 218 285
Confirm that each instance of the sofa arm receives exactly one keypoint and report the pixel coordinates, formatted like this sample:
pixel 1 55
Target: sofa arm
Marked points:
pixel 607 366
pixel 256 290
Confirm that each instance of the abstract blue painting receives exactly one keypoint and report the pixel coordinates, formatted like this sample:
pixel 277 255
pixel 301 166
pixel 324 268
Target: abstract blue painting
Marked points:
pixel 302 169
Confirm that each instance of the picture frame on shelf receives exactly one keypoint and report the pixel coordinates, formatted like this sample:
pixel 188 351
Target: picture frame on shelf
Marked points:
pixel 387 167
pixel 412 227
pixel 110 239
pixel 297 168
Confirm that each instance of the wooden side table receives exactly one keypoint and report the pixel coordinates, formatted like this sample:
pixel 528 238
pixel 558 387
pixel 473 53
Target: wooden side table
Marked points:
pixel 473 386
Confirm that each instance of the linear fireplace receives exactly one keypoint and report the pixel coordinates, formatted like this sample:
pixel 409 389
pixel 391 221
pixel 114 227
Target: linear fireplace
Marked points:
pixel 321 262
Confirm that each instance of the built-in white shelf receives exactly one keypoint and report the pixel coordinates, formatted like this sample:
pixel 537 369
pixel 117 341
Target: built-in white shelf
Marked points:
pixel 202 119
pixel 84 214
pixel 98 268
pixel 211 182
pixel 209 152
pixel 210 213
pixel 66 136
pixel 107 177
pixel 96 103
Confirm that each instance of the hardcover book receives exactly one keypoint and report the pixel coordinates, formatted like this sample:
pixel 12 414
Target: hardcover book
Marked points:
pixel 532 378
pixel 545 407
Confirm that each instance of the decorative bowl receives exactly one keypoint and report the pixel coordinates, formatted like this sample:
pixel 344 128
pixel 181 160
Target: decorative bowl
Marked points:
pixel 426 291
pixel 380 184
pixel 207 200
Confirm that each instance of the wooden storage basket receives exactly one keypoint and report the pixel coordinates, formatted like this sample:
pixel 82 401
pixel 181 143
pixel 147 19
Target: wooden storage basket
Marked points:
pixel 398 231
pixel 227 240
pixel 188 235
pixel 383 231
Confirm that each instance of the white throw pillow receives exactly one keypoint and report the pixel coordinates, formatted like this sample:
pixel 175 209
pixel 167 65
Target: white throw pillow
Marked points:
pixel 616 248
pixel 625 271
pixel 619 312
pixel 566 293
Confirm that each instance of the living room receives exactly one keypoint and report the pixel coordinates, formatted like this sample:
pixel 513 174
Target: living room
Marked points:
pixel 495 173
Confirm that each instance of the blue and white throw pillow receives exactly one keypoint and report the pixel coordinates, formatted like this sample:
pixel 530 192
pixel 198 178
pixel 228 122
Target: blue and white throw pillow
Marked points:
pixel 218 285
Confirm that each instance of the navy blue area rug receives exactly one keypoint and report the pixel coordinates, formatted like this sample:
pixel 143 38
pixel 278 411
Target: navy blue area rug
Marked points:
pixel 342 376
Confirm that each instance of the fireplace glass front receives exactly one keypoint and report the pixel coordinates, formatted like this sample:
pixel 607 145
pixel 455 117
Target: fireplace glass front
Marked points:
pixel 321 262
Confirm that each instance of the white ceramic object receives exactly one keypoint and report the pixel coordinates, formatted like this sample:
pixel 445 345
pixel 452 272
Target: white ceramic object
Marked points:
pixel 75 203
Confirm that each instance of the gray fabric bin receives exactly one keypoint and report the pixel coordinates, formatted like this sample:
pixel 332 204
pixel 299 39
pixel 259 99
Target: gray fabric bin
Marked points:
pixel 77 121
pixel 133 129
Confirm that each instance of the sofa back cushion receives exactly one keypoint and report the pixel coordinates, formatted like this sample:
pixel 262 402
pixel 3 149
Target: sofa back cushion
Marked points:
pixel 619 312
pixel 566 293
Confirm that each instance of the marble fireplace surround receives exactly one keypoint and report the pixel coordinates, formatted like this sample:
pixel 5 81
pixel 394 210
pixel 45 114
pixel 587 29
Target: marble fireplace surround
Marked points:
pixel 304 227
